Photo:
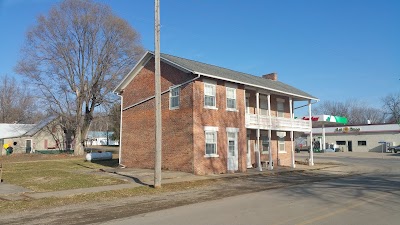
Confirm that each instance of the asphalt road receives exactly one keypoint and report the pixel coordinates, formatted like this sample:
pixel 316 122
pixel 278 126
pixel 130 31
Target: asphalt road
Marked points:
pixel 370 198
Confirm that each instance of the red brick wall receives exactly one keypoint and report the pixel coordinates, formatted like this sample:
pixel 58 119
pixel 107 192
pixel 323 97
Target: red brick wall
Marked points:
pixel 222 119
pixel 138 127
pixel 284 158
pixel 183 129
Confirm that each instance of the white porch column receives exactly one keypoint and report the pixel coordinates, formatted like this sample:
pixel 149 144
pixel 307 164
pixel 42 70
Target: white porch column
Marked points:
pixel 258 154
pixel 270 166
pixel 311 159
pixel 291 132
pixel 258 107
pixel 292 150
pixel 323 137
pixel 258 131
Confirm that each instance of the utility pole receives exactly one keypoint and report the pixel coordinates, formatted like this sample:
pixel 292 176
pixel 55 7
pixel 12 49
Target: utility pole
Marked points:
pixel 157 160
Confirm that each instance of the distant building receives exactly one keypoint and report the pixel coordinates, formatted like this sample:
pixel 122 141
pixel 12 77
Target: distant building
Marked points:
pixel 100 138
pixel 29 138
pixel 360 138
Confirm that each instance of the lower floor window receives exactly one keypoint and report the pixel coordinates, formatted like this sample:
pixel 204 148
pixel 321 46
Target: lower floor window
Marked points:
pixel 341 142
pixel 211 142
pixel 281 144
pixel 265 143
pixel 362 143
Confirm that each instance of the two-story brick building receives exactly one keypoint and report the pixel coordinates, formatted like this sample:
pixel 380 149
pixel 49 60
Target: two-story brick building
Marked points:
pixel 213 118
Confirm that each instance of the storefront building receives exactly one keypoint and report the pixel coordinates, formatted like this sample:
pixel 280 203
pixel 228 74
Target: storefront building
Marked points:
pixel 359 138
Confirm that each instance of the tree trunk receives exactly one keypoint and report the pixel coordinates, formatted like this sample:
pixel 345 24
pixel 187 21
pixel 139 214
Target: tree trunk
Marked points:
pixel 78 148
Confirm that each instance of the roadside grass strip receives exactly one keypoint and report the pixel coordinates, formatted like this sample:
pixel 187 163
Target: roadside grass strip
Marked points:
pixel 56 175
pixel 51 202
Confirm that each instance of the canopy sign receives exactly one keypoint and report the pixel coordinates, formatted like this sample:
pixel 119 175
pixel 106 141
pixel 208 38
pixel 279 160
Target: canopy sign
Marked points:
pixel 327 118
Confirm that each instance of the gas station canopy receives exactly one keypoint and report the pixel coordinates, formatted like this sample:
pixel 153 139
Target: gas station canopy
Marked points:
pixel 321 120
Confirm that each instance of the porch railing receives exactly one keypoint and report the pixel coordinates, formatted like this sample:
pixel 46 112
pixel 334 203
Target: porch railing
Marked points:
pixel 276 123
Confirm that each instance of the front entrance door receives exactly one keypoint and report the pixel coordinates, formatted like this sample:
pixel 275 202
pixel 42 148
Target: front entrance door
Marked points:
pixel 28 146
pixel 350 146
pixel 248 152
pixel 233 159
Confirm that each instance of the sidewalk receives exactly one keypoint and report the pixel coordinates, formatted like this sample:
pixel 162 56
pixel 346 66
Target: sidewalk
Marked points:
pixel 145 177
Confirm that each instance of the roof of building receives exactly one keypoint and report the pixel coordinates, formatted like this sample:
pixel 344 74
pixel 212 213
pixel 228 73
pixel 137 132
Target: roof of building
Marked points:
pixel 14 130
pixel 217 72
pixel 11 130
pixel 40 125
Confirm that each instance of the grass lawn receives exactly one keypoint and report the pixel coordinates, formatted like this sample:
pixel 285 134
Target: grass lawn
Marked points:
pixel 45 203
pixel 56 175
pixel 44 173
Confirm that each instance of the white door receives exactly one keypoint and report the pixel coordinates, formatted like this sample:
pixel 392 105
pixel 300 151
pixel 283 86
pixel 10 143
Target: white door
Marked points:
pixel 248 152
pixel 233 159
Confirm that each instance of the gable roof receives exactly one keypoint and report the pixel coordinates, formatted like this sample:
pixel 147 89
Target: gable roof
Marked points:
pixel 19 130
pixel 217 72
pixel 40 125
pixel 14 130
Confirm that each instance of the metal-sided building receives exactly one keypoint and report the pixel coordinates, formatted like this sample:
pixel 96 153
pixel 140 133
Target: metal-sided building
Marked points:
pixel 360 138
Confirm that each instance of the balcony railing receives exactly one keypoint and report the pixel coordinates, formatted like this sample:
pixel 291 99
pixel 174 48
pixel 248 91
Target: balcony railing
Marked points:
pixel 256 121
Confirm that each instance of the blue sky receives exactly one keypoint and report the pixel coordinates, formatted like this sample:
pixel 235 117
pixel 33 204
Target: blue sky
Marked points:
pixel 335 50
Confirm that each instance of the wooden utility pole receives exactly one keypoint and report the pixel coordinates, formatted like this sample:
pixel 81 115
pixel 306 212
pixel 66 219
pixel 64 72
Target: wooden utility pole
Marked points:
pixel 157 160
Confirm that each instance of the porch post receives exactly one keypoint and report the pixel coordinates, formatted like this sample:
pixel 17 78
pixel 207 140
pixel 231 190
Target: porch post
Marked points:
pixel 258 155
pixel 311 159
pixel 323 137
pixel 270 166
pixel 258 107
pixel 291 132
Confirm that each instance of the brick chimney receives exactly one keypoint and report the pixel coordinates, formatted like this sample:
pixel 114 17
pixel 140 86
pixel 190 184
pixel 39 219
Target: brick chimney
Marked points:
pixel 271 76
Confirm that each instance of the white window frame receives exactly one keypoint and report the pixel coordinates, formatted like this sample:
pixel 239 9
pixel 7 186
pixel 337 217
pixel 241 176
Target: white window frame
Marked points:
pixel 247 101
pixel 234 99
pixel 213 85
pixel 281 141
pixel 264 139
pixel 171 89
pixel 280 112
pixel 263 105
pixel 214 131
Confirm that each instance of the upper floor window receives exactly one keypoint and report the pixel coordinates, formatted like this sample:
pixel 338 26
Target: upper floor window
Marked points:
pixel 263 105
pixel 174 98
pixel 280 107
pixel 230 98
pixel 209 95
pixel 247 102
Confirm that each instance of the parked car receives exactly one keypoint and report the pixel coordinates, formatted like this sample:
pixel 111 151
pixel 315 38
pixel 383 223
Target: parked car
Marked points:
pixel 329 150
pixel 303 148
pixel 394 149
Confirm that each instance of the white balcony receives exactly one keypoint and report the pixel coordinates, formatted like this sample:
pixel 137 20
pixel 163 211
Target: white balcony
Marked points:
pixel 254 121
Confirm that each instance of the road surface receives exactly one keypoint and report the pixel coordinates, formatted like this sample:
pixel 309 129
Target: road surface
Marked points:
pixel 371 198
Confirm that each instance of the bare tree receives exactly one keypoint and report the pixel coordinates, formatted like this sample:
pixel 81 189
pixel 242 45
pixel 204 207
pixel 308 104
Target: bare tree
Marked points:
pixel 355 111
pixel 17 105
pixel 391 107
pixel 76 55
